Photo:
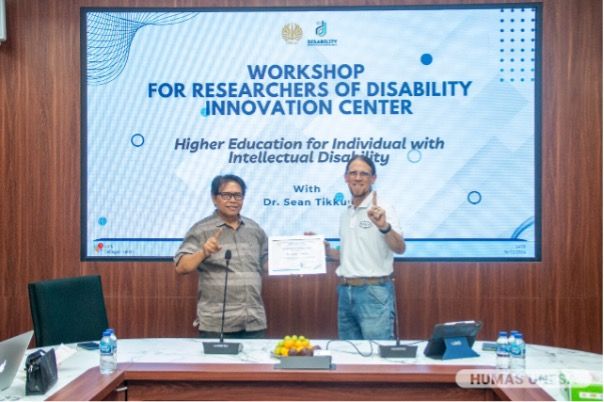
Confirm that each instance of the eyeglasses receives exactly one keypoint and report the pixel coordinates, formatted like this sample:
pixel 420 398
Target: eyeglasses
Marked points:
pixel 361 174
pixel 231 196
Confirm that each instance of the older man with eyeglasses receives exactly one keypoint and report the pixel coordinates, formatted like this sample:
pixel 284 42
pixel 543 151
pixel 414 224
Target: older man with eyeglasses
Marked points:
pixel 203 250
pixel 369 235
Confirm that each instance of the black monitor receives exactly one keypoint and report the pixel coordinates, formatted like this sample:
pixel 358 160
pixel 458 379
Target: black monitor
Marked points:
pixel 453 340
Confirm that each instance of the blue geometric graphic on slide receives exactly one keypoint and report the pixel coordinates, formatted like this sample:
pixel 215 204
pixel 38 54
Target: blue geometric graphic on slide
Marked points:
pixel 517 45
pixel 523 227
pixel 109 38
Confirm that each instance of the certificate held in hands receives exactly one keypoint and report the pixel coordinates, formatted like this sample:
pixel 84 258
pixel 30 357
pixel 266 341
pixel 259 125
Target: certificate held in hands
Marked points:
pixel 296 255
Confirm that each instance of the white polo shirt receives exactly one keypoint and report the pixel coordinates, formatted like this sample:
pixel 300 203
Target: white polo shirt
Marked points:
pixel 363 250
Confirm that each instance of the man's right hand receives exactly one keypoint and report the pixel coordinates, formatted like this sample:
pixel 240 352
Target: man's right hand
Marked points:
pixel 212 245
pixel 189 262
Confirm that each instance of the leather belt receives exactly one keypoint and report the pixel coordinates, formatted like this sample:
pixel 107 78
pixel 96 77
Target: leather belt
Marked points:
pixel 363 281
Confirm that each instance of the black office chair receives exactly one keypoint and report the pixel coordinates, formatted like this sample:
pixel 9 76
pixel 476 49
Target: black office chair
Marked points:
pixel 67 310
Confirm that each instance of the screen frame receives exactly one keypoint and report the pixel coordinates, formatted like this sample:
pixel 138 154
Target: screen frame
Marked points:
pixel 537 116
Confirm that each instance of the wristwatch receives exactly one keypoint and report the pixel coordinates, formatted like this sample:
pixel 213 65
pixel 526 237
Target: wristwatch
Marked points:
pixel 388 229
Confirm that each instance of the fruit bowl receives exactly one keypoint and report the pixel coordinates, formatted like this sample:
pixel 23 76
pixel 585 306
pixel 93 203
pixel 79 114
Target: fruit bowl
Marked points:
pixel 298 353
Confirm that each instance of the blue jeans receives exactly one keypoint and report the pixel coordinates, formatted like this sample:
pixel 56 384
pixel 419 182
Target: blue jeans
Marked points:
pixel 366 312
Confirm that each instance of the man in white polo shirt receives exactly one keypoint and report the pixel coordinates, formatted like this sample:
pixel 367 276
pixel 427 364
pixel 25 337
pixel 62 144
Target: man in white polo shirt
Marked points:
pixel 369 234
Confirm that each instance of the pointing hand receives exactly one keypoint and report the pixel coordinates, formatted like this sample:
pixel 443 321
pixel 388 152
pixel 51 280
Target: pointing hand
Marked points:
pixel 376 213
pixel 213 244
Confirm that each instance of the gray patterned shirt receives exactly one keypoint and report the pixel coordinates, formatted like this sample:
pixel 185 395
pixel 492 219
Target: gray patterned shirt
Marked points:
pixel 249 248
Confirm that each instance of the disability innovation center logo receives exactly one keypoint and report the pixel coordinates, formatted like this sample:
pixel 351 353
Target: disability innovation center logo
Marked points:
pixel 321 32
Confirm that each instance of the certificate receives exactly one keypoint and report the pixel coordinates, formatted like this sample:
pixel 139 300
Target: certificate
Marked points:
pixel 296 255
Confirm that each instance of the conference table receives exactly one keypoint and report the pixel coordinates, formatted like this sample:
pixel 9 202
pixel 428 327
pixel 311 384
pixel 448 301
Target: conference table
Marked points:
pixel 170 368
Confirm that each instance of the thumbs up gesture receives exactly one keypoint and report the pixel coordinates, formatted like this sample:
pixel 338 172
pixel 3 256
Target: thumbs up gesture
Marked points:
pixel 212 245
pixel 377 214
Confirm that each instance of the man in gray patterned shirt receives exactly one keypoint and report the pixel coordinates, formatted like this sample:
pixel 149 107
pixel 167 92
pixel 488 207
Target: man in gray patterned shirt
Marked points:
pixel 203 250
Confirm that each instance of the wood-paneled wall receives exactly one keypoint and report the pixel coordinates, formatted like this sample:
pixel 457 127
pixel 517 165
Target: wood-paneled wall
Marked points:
pixel 557 301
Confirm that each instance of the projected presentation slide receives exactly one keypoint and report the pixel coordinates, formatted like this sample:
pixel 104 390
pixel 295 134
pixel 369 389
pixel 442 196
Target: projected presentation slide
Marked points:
pixel 445 101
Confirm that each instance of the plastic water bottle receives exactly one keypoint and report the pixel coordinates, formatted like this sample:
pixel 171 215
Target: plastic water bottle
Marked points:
pixel 108 362
pixel 518 353
pixel 511 338
pixel 503 354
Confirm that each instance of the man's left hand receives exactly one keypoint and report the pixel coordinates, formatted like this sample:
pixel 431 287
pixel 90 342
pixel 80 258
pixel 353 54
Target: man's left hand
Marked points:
pixel 377 214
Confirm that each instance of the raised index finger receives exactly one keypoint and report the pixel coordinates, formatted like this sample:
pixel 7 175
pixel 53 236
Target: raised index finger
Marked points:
pixel 374 200
pixel 217 233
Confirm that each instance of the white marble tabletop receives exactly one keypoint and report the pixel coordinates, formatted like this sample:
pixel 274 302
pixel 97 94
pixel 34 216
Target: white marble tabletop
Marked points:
pixel 190 350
